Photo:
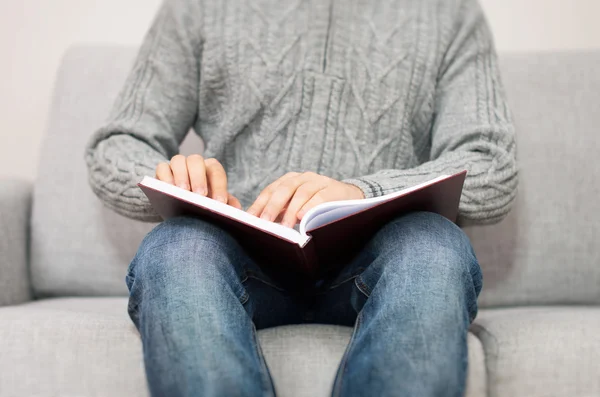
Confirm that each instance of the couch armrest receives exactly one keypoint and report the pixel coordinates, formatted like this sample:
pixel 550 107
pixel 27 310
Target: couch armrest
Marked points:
pixel 15 208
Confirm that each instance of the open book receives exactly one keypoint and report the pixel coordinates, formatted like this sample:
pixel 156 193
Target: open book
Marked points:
pixel 328 235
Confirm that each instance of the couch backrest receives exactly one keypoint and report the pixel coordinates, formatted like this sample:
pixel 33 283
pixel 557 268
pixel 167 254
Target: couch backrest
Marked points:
pixel 79 247
pixel 547 251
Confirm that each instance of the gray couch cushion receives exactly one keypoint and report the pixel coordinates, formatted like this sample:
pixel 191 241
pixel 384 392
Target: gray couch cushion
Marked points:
pixel 70 348
pixel 546 251
pixel 549 351
pixel 89 347
pixel 78 247
pixel 15 209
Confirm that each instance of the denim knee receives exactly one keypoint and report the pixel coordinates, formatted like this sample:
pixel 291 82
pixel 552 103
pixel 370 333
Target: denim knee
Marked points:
pixel 425 243
pixel 184 228
pixel 188 253
pixel 423 258
pixel 424 234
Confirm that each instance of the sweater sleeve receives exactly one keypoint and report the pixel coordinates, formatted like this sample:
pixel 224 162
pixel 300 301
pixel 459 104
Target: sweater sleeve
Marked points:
pixel 472 128
pixel 152 114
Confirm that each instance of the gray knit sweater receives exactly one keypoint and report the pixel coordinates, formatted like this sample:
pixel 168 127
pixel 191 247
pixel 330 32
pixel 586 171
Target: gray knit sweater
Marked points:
pixel 382 94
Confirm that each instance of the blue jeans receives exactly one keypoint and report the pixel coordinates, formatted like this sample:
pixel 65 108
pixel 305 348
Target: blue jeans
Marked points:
pixel 411 293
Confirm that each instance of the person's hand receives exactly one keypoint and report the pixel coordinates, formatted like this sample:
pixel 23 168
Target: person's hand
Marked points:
pixel 290 197
pixel 206 177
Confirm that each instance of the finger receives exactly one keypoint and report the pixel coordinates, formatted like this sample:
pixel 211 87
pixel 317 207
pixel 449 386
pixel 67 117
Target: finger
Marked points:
pixel 319 198
pixel 281 197
pixel 284 192
pixel 303 195
pixel 180 172
pixel 234 202
pixel 197 174
pixel 279 218
pixel 163 173
pixel 259 204
pixel 217 180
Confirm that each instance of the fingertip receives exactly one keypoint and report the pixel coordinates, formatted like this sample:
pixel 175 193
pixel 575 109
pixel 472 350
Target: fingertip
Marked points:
pixel 234 202
pixel 201 190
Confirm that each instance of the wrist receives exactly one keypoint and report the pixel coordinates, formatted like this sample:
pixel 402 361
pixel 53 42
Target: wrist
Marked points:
pixel 357 192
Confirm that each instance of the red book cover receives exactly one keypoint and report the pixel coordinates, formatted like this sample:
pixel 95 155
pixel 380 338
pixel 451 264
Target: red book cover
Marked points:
pixel 333 232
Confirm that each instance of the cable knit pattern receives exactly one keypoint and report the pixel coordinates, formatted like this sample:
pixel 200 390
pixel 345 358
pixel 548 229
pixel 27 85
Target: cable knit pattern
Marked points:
pixel 382 94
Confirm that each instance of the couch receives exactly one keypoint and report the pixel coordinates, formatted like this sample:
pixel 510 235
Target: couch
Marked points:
pixel 64 328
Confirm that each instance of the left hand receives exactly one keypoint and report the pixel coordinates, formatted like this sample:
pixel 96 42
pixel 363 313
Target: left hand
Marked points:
pixel 290 197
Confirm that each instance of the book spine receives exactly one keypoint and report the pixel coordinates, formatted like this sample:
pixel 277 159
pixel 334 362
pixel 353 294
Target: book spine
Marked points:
pixel 308 258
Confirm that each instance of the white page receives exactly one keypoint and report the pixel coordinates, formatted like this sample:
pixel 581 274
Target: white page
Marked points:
pixel 328 216
pixel 334 210
pixel 227 210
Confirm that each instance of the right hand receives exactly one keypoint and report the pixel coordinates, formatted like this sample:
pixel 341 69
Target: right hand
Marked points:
pixel 206 177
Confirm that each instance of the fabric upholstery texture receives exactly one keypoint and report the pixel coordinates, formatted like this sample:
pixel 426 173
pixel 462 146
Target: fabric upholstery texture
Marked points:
pixel 545 252
pixel 89 347
pixel 15 207
pixel 543 351
pixel 78 246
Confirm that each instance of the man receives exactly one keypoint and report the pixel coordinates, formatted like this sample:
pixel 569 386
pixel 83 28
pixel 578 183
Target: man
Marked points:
pixel 301 102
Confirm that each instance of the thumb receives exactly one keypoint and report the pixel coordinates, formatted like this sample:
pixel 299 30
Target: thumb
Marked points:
pixel 234 202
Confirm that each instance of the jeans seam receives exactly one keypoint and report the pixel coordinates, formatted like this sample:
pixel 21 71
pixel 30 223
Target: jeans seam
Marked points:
pixel 264 370
pixel 210 241
pixel 133 308
pixel 473 308
pixel 130 275
pixel 362 287
pixel 354 274
pixel 337 387
pixel 252 275
pixel 338 284
pixel 244 298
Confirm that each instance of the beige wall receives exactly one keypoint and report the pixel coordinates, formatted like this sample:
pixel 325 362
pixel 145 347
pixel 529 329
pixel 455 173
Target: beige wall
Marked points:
pixel 34 34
